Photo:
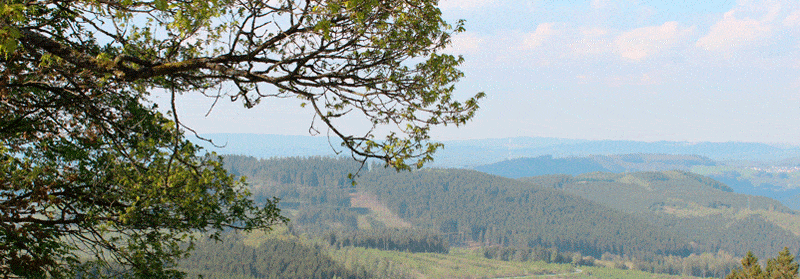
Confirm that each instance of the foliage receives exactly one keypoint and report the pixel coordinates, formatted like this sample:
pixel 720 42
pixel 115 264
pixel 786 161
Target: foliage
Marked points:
pixel 75 190
pixel 782 267
pixel 95 181
pixel 379 59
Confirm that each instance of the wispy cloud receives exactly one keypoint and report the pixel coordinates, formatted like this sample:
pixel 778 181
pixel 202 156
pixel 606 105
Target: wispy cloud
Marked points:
pixel 467 42
pixel 535 39
pixel 750 23
pixel 465 4
pixel 731 32
pixel 793 20
pixel 591 41
pixel 640 43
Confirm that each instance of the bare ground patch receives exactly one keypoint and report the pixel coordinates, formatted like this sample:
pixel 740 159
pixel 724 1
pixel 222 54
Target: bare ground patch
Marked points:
pixel 378 210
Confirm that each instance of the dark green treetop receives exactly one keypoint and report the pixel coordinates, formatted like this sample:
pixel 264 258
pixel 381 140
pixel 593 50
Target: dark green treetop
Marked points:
pixel 781 267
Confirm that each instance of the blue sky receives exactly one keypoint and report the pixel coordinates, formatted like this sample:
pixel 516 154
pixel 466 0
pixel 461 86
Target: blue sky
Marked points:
pixel 633 70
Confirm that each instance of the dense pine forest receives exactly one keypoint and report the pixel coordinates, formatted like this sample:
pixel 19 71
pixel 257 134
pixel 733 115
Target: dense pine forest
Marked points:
pixel 671 222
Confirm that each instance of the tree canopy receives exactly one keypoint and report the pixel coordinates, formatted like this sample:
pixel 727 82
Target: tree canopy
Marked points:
pixel 96 180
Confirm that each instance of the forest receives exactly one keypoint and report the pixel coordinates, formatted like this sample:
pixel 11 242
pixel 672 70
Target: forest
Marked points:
pixel 669 222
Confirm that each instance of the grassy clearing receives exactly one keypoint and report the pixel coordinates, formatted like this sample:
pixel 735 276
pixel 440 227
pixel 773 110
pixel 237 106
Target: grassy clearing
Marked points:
pixel 465 263
pixel 612 273
pixel 459 263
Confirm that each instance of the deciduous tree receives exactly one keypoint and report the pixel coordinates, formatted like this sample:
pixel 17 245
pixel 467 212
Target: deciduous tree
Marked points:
pixel 95 180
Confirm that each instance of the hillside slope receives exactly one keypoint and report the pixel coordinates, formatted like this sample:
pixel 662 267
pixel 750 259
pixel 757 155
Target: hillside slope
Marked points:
pixel 635 214
pixel 492 210
pixel 699 208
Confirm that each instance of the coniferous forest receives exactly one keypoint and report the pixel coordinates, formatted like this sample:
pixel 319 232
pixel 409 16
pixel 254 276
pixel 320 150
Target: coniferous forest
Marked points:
pixel 667 222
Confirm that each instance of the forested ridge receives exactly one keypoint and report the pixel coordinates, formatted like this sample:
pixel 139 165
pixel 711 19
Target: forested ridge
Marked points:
pixel 469 207
pixel 697 207
pixel 491 210
pixel 548 165
pixel 662 224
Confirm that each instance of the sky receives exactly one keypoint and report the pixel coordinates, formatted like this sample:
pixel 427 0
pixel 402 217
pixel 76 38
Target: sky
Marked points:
pixel 619 70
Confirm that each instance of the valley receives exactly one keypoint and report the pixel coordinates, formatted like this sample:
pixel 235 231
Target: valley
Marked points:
pixel 672 222
pixel 661 214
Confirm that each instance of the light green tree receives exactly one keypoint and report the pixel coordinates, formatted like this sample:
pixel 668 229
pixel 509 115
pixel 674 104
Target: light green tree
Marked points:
pixel 750 269
pixel 94 181
pixel 782 267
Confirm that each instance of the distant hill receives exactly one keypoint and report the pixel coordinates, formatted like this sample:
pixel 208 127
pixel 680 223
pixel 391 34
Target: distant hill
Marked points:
pixel 666 191
pixel 471 153
pixel 700 208
pixel 780 181
pixel 544 165
pixel 268 146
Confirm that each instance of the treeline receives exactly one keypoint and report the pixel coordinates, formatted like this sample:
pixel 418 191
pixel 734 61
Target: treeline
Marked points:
pixel 408 240
pixel 705 265
pixel 638 192
pixel 549 255
pixel 715 265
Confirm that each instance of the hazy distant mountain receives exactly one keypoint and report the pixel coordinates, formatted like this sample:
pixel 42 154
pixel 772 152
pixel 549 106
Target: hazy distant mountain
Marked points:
pixel 521 156
pixel 478 152
pixel 269 146
pixel 471 153
pixel 544 165
pixel 775 182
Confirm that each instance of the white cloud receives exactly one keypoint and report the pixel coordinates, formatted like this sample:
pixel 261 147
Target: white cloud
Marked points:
pixel 646 41
pixel 535 39
pixel 594 32
pixel 591 41
pixel 599 4
pixel 465 4
pixel 749 23
pixel 793 20
pixel 465 43
pixel 731 32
